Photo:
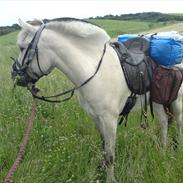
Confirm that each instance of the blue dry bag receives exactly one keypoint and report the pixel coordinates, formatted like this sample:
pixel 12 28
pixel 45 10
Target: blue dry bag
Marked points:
pixel 123 38
pixel 166 51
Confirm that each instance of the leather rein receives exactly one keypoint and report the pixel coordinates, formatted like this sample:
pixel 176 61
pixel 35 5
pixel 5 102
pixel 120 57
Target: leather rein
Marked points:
pixel 34 90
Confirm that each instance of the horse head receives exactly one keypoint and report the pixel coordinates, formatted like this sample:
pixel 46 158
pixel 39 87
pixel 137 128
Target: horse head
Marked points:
pixel 28 68
pixel 58 43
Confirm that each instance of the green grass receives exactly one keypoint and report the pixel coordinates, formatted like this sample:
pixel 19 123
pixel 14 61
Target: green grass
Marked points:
pixel 9 39
pixel 65 146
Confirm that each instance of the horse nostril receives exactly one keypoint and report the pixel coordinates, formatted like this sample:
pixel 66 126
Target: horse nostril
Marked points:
pixel 14 60
pixel 21 82
pixel 13 74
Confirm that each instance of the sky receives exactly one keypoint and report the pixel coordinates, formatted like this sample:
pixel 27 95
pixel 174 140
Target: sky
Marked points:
pixel 12 10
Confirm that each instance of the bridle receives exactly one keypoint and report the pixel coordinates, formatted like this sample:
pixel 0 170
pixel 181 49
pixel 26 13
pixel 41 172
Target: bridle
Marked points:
pixel 22 71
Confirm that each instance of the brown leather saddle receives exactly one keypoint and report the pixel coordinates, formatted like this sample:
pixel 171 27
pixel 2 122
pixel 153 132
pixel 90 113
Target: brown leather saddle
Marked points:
pixel 136 63
pixel 136 66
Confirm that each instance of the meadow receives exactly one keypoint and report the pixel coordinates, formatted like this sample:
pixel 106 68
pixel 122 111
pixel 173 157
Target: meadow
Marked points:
pixel 65 146
pixel 117 27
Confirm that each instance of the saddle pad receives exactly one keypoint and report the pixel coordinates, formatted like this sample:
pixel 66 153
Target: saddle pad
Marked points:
pixel 165 84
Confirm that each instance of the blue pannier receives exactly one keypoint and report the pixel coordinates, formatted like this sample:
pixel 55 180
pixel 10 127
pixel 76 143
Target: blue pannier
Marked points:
pixel 123 38
pixel 164 50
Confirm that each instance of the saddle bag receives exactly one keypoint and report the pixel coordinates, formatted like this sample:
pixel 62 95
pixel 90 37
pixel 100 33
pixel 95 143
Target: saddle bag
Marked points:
pixel 165 84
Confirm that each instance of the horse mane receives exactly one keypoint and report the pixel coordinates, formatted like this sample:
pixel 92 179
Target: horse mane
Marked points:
pixel 77 27
pixel 67 19
pixel 81 29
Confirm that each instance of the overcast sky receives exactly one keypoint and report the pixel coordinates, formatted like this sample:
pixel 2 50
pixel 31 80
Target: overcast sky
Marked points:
pixel 10 11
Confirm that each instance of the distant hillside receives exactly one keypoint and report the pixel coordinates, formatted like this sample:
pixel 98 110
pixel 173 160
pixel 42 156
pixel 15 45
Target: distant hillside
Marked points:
pixel 148 20
pixel 149 16
pixel 118 27
pixel 172 27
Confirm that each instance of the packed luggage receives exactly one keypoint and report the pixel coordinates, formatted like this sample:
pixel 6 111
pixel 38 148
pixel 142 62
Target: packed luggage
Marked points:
pixel 165 51
pixel 166 48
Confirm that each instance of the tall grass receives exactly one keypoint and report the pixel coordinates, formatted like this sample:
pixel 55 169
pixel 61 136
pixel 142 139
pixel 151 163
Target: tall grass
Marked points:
pixel 65 145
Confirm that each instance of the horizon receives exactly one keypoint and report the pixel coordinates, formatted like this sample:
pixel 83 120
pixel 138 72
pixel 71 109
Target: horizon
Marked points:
pixel 95 17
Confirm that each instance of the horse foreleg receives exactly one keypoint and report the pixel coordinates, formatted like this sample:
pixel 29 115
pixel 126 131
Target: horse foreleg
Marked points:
pixel 163 119
pixel 177 112
pixel 107 127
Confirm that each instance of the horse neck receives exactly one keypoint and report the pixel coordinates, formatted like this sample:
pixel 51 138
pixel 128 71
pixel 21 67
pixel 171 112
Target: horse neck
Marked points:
pixel 77 58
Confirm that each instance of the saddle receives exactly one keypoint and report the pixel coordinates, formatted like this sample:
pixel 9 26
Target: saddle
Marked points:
pixel 136 65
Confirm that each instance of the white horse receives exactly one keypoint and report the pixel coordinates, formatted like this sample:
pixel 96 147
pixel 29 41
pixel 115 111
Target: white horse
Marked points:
pixel 75 48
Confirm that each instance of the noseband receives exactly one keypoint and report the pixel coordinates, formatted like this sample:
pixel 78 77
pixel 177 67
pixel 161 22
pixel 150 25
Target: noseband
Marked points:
pixel 31 51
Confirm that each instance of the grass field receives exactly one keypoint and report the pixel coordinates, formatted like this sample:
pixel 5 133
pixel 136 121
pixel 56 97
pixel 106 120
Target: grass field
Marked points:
pixel 172 27
pixel 65 147
pixel 116 27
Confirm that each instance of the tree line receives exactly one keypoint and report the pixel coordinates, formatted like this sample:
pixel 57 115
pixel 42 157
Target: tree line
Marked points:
pixel 149 16
pixel 8 29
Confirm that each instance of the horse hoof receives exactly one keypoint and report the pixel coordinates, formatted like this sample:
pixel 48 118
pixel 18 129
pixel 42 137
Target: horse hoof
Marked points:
pixel 144 125
pixel 175 144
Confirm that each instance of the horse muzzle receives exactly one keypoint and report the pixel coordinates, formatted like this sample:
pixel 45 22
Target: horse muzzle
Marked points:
pixel 21 77
pixel 22 81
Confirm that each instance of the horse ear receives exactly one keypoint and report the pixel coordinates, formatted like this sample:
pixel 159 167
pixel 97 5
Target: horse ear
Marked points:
pixel 26 26
pixel 36 22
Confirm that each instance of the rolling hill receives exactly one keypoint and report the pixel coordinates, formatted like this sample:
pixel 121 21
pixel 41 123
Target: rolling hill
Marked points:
pixel 123 23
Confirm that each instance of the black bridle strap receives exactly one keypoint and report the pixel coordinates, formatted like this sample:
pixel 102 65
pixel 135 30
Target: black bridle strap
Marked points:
pixel 46 99
pixel 34 42
pixel 37 58
pixel 31 49
pixel 71 91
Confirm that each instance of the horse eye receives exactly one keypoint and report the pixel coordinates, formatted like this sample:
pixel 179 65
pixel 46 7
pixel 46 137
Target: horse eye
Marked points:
pixel 21 49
